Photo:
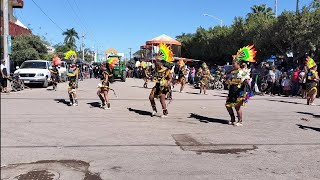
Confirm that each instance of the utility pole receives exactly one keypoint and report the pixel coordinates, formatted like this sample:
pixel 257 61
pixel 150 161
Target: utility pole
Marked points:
pixel 276 8
pixel 82 46
pixel 6 34
pixel 130 54
pixel 297 6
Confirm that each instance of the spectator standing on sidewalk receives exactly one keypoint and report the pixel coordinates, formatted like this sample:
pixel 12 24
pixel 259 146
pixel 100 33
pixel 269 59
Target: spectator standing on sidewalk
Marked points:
pixel 4 77
pixel 302 82
pixel 286 84
pixel 295 81
pixel 193 75
pixel 271 79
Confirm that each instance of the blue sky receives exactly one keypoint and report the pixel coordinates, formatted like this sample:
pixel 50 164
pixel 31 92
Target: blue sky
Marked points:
pixel 129 23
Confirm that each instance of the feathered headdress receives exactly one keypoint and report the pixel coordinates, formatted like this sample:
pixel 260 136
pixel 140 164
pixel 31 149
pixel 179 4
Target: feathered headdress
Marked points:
pixel 181 62
pixel 247 53
pixel 143 64
pixel 310 62
pixel 72 55
pixel 112 62
pixel 165 53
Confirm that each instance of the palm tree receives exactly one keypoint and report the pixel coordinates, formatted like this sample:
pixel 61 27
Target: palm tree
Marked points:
pixel 261 10
pixel 315 4
pixel 70 39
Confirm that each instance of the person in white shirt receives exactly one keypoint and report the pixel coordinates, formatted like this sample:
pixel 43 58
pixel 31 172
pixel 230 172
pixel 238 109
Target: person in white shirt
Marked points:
pixel 302 82
pixel 4 78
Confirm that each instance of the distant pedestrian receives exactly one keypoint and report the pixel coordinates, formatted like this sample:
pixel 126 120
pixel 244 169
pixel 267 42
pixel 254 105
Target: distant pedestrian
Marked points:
pixel 193 75
pixel 4 77
pixel 295 81
pixel 286 84
pixel 302 82
pixel 271 79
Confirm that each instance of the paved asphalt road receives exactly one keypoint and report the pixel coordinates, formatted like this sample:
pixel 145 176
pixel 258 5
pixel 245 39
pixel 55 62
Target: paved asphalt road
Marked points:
pixel 41 134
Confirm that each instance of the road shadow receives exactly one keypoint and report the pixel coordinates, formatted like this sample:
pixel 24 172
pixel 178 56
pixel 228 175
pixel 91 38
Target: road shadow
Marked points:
pixel 50 89
pixel 140 112
pixel 141 87
pixel 308 127
pixel 311 114
pixel 282 101
pixel 63 101
pixel 192 92
pixel 204 119
pixel 94 104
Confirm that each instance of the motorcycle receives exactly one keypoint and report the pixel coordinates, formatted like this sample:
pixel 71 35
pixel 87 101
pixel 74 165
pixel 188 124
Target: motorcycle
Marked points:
pixel 16 83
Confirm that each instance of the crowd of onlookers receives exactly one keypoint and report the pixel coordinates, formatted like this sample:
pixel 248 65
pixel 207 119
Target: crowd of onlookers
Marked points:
pixel 266 79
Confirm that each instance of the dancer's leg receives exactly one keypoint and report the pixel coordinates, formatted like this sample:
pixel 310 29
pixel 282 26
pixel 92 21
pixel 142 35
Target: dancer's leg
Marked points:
pixel 231 113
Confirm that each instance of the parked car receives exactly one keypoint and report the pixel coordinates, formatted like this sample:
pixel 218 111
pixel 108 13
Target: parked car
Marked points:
pixel 35 72
pixel 63 71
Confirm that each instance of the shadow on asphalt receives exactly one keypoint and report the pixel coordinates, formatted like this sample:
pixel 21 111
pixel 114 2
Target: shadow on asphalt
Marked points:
pixel 140 112
pixel 282 101
pixel 311 114
pixel 94 104
pixel 308 127
pixel 192 93
pixel 63 101
pixel 141 87
pixel 204 119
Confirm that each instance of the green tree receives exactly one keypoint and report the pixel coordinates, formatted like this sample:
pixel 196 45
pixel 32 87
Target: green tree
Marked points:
pixel 88 55
pixel 315 4
pixel 261 10
pixel 28 47
pixel 70 38
pixel 61 48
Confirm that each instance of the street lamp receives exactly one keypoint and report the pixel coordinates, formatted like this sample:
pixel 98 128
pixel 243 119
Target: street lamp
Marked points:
pixel 221 21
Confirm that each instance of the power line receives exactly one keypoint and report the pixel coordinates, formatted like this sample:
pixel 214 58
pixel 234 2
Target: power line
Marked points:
pixel 85 23
pixel 47 15
pixel 77 17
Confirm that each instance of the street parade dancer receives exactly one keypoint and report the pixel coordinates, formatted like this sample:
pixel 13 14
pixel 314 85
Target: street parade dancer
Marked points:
pixel 54 70
pixel 238 89
pixel 182 74
pixel 163 79
pixel 146 74
pixel 312 81
pixel 55 77
pixel 104 86
pixel 73 75
pixel 205 77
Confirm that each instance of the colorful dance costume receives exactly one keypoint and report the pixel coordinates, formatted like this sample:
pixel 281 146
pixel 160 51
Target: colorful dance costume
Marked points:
pixel 72 73
pixel 146 74
pixel 55 77
pixel 73 77
pixel 104 86
pixel 239 91
pixel 162 79
pixel 312 76
pixel 205 76
pixel 182 71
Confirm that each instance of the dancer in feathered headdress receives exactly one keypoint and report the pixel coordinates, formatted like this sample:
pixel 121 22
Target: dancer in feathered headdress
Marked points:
pixel 146 74
pixel 104 86
pixel 182 74
pixel 311 81
pixel 163 79
pixel 239 91
pixel 165 53
pixel 205 77
pixel 73 74
pixel 71 55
